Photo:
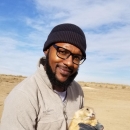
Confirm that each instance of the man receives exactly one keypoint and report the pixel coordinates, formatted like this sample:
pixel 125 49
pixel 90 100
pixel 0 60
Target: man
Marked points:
pixel 48 99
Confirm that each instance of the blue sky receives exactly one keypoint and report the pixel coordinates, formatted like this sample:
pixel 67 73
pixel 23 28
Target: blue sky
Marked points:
pixel 25 25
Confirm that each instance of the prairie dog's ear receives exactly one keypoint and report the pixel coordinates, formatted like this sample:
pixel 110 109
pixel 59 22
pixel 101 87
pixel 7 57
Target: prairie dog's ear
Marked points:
pixel 45 52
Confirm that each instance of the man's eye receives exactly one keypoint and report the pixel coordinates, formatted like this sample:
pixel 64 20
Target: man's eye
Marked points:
pixel 78 58
pixel 62 52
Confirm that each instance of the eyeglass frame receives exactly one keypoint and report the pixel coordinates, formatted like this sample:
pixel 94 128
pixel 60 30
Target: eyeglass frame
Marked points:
pixel 57 47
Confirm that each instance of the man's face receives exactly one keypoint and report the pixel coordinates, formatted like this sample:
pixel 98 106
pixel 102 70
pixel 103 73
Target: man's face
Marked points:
pixel 63 69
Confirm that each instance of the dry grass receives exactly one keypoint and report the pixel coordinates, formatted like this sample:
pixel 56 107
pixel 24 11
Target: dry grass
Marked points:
pixel 103 85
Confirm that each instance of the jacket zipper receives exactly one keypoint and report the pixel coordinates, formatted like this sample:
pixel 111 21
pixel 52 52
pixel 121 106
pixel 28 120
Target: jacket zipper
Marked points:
pixel 65 113
pixel 64 109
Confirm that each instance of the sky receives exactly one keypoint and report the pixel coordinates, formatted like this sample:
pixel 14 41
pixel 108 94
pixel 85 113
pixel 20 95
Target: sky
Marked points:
pixel 25 25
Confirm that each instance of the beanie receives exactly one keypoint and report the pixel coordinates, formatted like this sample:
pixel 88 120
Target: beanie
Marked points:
pixel 68 33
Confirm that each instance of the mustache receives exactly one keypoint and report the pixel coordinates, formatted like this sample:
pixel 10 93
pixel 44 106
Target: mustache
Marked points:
pixel 65 68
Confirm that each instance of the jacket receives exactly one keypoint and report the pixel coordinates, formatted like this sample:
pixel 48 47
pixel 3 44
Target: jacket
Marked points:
pixel 33 105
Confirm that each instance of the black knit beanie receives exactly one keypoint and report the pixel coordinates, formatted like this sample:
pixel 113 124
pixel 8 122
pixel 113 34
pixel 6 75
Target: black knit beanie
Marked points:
pixel 68 33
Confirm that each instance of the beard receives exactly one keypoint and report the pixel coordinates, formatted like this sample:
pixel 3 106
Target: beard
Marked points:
pixel 54 80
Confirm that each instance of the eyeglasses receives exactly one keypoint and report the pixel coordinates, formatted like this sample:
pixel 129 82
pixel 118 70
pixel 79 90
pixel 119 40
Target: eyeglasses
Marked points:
pixel 64 54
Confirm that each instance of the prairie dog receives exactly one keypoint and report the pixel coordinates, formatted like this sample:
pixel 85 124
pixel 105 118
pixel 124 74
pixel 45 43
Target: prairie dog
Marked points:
pixel 85 115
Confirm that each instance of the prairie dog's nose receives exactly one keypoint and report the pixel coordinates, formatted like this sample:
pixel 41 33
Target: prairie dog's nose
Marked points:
pixel 93 114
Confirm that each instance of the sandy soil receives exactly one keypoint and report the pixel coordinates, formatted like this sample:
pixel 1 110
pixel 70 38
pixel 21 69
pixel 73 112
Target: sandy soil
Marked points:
pixel 111 102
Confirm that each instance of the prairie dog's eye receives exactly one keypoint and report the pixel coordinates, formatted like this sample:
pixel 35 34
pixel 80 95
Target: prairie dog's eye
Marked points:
pixel 87 109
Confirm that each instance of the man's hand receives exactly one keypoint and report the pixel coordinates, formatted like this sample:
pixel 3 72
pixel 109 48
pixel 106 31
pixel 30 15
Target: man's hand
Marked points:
pixel 88 127
pixel 85 127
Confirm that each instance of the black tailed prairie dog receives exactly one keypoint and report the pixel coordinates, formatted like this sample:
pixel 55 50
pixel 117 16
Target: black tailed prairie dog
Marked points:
pixel 85 115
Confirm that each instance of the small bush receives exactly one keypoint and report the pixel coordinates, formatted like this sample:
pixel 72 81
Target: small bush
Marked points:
pixel 123 87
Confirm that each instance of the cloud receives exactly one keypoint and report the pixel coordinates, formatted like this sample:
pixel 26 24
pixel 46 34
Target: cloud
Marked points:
pixel 87 14
pixel 106 25
pixel 18 57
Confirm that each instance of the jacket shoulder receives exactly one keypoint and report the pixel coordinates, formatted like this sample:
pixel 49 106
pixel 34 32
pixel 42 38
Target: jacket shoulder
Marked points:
pixel 77 88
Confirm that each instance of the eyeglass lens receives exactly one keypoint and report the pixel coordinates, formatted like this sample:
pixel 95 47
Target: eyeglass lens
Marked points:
pixel 64 54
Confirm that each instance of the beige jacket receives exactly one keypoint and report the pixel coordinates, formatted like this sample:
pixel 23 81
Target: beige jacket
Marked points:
pixel 33 105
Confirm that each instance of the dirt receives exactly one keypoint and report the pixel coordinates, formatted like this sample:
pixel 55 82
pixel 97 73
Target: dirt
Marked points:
pixel 111 102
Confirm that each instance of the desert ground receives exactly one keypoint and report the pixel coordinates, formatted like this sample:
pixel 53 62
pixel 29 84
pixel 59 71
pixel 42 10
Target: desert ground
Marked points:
pixel 111 102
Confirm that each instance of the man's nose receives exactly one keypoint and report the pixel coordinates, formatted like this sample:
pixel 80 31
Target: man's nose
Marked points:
pixel 69 61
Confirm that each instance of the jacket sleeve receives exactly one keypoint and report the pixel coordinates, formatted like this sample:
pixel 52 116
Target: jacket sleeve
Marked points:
pixel 19 112
pixel 81 93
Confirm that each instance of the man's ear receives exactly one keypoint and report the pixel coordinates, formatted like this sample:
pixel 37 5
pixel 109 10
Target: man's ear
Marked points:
pixel 46 52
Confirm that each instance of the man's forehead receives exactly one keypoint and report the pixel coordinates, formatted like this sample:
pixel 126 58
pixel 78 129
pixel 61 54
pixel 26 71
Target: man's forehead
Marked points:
pixel 69 46
pixel 64 44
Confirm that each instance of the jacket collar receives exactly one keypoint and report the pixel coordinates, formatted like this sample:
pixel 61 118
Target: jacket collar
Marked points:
pixel 42 72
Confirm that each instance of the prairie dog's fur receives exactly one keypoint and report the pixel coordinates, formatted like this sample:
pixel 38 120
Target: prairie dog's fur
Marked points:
pixel 85 115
